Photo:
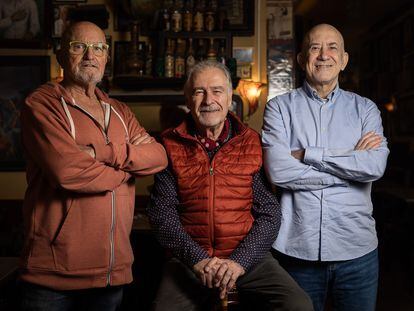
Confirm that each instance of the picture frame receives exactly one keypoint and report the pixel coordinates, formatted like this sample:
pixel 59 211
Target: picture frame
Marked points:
pixel 61 18
pixel 240 16
pixel 28 27
pixel 24 74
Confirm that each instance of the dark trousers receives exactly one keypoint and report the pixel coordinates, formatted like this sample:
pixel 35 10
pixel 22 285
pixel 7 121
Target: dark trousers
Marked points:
pixel 265 287
pixel 38 298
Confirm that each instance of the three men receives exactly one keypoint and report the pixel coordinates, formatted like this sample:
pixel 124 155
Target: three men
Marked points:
pixel 83 151
pixel 324 146
pixel 212 208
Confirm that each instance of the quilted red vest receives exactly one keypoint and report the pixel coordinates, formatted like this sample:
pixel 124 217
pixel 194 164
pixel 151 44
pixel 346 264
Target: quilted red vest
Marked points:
pixel 215 196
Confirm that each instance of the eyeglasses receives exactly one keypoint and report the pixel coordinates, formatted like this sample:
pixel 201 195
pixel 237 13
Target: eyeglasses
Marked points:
pixel 79 48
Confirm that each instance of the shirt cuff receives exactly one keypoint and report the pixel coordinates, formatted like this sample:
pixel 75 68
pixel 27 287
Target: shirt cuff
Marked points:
pixel 104 153
pixel 313 156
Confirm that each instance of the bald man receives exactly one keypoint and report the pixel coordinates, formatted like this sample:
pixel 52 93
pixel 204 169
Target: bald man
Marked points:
pixel 83 152
pixel 324 147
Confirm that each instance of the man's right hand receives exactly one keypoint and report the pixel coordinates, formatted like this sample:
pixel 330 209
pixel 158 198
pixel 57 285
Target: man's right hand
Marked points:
pixel 369 141
pixel 206 270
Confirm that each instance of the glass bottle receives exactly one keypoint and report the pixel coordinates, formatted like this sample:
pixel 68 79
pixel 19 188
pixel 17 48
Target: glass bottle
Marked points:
pixel 212 54
pixel 188 16
pixel 169 60
pixel 190 60
pixel 148 60
pixel 209 18
pixel 198 18
pixel 221 55
pixel 176 17
pixel 201 51
pixel 179 59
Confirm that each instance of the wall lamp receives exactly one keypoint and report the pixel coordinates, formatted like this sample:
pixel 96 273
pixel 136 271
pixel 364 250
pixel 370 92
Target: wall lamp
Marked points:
pixel 250 92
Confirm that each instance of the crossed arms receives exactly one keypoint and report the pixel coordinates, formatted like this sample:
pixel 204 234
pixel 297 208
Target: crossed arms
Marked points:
pixel 316 168
pixel 49 144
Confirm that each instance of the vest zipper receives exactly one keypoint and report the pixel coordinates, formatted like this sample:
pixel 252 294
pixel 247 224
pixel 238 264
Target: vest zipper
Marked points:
pixel 211 206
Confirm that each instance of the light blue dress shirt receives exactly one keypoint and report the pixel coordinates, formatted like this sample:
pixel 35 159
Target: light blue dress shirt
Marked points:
pixel 326 199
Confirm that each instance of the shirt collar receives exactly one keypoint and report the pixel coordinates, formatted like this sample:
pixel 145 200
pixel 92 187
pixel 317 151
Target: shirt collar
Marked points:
pixel 311 92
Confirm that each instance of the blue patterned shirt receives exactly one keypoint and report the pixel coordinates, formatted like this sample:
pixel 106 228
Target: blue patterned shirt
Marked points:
pixel 326 198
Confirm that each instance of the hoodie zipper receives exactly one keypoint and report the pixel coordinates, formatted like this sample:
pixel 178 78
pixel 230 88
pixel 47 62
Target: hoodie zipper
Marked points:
pixel 113 206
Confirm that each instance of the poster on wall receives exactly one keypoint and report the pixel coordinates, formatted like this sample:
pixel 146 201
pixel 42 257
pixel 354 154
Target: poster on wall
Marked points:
pixel 281 47
pixel 13 92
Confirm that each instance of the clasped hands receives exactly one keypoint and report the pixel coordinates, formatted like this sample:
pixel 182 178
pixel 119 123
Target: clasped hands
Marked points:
pixel 140 139
pixel 218 273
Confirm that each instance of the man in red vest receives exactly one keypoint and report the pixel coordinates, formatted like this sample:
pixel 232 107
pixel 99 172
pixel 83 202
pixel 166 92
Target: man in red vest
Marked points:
pixel 212 208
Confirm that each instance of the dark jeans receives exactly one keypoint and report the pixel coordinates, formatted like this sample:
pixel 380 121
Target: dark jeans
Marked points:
pixel 265 287
pixel 38 298
pixel 351 284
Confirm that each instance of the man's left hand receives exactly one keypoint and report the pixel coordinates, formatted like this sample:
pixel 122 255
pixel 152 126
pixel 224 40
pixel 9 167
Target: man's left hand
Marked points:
pixel 89 150
pixel 227 275
pixel 298 154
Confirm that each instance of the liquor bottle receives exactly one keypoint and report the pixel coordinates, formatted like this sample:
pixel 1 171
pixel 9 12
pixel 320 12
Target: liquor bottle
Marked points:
pixel 148 61
pixel 201 51
pixel 176 17
pixel 190 60
pixel 211 54
pixel 209 18
pixel 169 60
pixel 179 59
pixel 221 55
pixel 198 19
pixel 188 16
pixel 141 57
pixel 166 15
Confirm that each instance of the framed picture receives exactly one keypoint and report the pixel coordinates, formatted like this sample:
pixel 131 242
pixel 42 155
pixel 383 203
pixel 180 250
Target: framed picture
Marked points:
pixel 24 74
pixel 240 16
pixel 61 14
pixel 25 24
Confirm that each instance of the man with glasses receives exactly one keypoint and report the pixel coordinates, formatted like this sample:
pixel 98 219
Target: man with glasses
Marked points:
pixel 83 151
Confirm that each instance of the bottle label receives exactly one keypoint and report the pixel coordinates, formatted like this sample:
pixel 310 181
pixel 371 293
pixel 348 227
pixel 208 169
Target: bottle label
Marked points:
pixel 176 21
pixel 169 66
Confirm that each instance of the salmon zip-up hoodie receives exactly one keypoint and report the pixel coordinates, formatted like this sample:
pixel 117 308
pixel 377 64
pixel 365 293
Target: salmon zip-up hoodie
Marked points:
pixel 78 211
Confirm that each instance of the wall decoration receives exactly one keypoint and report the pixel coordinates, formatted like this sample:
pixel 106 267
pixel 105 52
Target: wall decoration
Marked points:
pixel 61 14
pixel 25 26
pixel 280 47
pixel 24 74
pixel 240 16
pixel 244 57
